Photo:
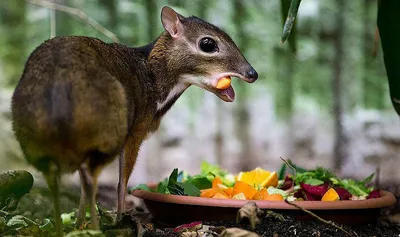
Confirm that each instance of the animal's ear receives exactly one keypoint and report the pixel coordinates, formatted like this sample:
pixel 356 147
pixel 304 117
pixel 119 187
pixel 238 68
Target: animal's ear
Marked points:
pixel 171 22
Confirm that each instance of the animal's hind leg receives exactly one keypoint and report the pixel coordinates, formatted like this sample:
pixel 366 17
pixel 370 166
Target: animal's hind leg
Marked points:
pixel 121 187
pixel 89 182
pixel 53 180
pixel 82 204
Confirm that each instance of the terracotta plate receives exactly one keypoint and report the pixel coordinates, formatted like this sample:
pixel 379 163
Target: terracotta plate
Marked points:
pixel 173 209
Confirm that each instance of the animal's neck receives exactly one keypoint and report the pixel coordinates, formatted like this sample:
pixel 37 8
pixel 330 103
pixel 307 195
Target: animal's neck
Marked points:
pixel 168 84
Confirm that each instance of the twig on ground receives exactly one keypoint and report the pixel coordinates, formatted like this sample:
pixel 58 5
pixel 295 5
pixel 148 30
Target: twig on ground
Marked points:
pixel 76 12
pixel 331 223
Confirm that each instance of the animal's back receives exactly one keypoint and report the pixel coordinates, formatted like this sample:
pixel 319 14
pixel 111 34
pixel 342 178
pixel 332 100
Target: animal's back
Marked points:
pixel 69 106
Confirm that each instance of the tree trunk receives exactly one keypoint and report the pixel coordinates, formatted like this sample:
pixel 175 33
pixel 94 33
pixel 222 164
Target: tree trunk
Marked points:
pixel 111 7
pixel 340 142
pixel 63 21
pixel 12 18
pixel 285 60
pixel 373 96
pixel 241 112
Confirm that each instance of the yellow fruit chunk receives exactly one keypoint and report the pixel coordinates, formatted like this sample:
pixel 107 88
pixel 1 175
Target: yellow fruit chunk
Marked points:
pixel 330 195
pixel 255 177
pixel 239 196
pixel 245 188
pixel 271 180
pixel 220 196
pixel 224 83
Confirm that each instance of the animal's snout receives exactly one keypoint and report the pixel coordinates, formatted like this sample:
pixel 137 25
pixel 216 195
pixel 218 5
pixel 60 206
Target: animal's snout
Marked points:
pixel 251 74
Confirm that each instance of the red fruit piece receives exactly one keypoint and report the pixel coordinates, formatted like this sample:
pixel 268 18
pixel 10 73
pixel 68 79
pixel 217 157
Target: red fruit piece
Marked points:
pixel 287 184
pixel 317 190
pixel 343 193
pixel 311 197
pixel 374 194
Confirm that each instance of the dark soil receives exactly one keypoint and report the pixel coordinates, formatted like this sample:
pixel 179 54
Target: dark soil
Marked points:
pixel 37 205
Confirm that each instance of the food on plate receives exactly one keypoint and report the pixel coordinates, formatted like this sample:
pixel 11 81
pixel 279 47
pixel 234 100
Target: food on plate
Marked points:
pixel 317 184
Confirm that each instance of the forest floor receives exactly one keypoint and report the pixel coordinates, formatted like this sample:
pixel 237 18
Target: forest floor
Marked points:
pixel 37 205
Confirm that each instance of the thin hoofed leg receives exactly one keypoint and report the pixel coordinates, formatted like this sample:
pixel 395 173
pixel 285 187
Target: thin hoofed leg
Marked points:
pixel 89 182
pixel 121 187
pixel 53 179
pixel 82 205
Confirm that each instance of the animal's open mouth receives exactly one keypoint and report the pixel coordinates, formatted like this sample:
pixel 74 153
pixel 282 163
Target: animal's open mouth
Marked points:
pixel 222 85
pixel 224 89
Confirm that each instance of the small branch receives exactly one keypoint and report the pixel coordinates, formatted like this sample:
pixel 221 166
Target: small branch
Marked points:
pixel 76 12
pixel 331 223
pixel 290 166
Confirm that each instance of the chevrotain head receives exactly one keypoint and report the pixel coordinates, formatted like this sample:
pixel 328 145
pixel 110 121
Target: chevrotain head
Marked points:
pixel 202 54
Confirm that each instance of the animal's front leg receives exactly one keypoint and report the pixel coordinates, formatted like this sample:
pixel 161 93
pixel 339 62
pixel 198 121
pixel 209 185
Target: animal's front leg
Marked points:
pixel 127 160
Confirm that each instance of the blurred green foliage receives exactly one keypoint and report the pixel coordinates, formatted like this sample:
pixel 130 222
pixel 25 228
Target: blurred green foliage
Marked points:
pixel 300 79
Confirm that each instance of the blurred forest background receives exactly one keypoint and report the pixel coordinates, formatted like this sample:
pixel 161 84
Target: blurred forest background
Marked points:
pixel 321 99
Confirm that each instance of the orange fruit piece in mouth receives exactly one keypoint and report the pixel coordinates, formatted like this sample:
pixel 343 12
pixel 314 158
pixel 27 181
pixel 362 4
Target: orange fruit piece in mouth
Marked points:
pixel 224 83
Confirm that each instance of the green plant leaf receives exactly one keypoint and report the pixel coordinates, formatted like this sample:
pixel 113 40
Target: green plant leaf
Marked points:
pixel 189 189
pixel 68 218
pixel 17 222
pixel 3 224
pixel 140 187
pixel 175 189
pixel 199 181
pixel 207 168
pixel 282 172
pixel 162 186
pixel 368 179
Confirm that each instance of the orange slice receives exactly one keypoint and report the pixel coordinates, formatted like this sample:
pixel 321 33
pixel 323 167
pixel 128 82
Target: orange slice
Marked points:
pixel 273 197
pixel 245 188
pixel 330 195
pixel 223 83
pixel 271 180
pixel 208 193
pixel 229 191
pixel 220 196
pixel 216 181
pixel 261 195
pixel 255 177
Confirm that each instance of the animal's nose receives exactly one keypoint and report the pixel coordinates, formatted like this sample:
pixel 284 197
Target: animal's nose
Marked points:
pixel 252 74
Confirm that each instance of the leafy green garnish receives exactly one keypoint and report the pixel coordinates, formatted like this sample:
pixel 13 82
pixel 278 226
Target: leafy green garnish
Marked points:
pixel 356 188
pixel 210 171
pixel 180 188
pixel 317 175
pixel 320 175
pixel 200 181
pixel 141 187
pixel 313 182
pixel 207 168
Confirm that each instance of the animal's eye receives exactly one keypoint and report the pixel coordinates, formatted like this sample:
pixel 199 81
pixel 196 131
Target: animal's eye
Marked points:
pixel 208 45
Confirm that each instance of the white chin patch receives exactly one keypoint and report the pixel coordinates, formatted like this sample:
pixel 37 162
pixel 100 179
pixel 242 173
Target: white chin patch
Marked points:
pixel 177 90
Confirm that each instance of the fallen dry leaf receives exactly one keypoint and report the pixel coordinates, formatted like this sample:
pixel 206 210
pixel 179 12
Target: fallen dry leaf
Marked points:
pixel 250 211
